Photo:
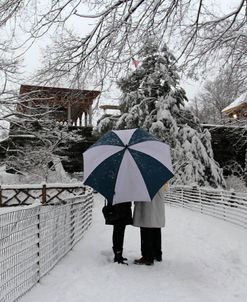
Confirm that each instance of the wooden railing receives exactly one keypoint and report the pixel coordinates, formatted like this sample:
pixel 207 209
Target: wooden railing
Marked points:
pixel 227 205
pixel 34 238
pixel 26 194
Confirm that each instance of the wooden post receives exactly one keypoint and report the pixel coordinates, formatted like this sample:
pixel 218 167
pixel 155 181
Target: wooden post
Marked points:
pixel 43 194
pixel 90 115
pixel 29 107
pixel 69 114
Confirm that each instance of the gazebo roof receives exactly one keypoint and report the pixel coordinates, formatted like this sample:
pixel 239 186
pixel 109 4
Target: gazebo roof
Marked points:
pixel 57 95
pixel 237 105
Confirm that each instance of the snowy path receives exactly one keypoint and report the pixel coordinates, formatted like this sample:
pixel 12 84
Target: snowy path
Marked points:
pixel 205 260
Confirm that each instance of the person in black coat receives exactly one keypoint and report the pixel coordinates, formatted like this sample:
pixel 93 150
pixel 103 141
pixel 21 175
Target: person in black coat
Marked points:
pixel 120 216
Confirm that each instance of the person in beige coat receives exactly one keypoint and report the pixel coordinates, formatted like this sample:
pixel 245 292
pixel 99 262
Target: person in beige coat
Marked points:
pixel 150 217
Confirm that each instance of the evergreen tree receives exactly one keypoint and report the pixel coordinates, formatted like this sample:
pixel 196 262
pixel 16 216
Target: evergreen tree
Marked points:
pixel 153 100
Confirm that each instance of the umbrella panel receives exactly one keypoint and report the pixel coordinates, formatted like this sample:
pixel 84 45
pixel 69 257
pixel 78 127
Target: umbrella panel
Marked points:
pixel 141 135
pixel 153 172
pixel 110 138
pixel 104 176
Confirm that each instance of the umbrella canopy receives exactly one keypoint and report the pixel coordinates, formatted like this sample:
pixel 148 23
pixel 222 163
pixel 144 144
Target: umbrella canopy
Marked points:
pixel 127 165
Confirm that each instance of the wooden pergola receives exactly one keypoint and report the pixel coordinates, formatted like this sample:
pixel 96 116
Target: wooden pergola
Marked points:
pixel 65 105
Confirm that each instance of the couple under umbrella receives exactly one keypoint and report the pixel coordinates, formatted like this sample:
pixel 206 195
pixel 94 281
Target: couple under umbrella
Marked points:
pixel 129 165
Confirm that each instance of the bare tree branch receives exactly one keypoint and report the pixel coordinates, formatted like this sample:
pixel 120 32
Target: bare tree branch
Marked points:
pixel 200 34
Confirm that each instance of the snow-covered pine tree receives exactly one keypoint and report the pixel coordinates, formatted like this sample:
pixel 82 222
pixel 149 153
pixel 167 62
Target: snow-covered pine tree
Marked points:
pixel 152 99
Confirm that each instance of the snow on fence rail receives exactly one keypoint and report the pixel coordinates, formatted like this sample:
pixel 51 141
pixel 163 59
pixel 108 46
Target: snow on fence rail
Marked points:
pixel 227 205
pixel 34 238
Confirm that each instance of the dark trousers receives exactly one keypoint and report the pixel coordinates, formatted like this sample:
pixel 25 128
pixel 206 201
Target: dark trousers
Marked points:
pixel 118 236
pixel 151 243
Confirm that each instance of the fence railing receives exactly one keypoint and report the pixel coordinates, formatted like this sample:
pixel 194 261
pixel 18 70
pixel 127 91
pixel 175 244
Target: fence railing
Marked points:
pixel 227 205
pixel 26 194
pixel 34 238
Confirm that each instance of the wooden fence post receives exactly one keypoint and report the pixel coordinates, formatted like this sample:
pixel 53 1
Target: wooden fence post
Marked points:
pixel 43 194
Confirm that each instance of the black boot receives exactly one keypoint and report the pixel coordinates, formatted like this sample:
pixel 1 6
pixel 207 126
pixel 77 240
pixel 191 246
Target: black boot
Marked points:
pixel 143 260
pixel 118 256
pixel 158 258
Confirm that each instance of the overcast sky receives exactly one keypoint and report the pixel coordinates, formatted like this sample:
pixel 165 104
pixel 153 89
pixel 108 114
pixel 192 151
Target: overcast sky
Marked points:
pixel 82 26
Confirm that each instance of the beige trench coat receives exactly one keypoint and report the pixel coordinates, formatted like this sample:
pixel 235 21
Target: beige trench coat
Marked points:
pixel 150 214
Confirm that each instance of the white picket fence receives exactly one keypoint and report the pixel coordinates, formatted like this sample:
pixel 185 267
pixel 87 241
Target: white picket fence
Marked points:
pixel 227 205
pixel 34 238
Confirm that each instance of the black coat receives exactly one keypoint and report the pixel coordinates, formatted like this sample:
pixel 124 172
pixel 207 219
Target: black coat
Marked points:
pixel 122 212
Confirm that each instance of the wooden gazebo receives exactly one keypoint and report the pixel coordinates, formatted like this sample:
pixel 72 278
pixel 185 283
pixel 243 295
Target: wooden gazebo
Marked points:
pixel 65 105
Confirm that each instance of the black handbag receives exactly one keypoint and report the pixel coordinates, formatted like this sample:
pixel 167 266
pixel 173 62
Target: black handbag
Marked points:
pixel 110 213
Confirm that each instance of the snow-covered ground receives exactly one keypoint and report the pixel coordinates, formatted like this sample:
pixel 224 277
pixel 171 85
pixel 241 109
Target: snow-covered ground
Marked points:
pixel 204 261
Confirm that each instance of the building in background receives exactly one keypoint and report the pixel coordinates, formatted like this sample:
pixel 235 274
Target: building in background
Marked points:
pixel 65 105
pixel 238 108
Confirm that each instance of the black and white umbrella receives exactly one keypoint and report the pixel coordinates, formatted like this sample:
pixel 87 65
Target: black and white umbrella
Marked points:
pixel 127 165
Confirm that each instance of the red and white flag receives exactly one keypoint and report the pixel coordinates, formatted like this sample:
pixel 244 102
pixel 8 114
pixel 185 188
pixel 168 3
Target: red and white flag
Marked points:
pixel 135 62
